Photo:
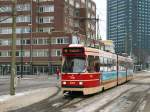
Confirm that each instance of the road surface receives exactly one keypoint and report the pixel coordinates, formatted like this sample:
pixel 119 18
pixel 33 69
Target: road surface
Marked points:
pixel 133 96
pixel 27 83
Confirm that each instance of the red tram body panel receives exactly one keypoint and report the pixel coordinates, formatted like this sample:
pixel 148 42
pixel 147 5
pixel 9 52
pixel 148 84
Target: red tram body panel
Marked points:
pixel 84 80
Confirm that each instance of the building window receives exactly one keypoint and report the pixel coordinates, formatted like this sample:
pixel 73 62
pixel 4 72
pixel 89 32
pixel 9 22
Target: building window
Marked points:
pixel 23 19
pixel 23 53
pixel 83 1
pixel 46 8
pixel 89 15
pixel 89 4
pixel 77 12
pixel 48 19
pixel 23 30
pixel 40 53
pixel 45 0
pixel 5 9
pixel 17 53
pixel 45 29
pixel 5 30
pixel 41 41
pixel 71 2
pixel 23 42
pixel 5 53
pixel 5 19
pixel 4 42
pixel 60 40
pixel 23 7
pixel 93 8
pixel 56 52
pixel 77 5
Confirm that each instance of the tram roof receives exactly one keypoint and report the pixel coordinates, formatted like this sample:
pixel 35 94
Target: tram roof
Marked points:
pixel 94 51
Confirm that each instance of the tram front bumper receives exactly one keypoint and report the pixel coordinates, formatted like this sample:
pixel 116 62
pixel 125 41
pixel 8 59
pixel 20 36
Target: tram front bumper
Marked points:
pixel 86 91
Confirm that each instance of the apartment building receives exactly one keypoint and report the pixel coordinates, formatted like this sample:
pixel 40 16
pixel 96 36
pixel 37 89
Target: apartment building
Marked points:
pixel 43 28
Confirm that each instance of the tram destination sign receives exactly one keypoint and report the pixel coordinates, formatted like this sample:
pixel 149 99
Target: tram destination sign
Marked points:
pixel 73 50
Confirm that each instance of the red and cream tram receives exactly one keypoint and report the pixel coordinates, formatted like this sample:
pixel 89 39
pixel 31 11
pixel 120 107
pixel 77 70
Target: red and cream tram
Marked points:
pixel 91 70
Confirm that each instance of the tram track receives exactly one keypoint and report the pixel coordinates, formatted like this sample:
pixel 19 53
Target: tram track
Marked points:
pixel 110 102
pixel 139 101
pixel 72 104
pixel 122 94
pixel 60 103
pixel 68 101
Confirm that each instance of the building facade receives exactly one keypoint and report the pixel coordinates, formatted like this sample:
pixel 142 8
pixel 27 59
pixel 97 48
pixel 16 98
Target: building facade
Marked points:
pixel 43 28
pixel 128 24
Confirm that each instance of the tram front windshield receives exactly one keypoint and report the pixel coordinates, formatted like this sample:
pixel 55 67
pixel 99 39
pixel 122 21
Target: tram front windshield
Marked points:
pixel 74 65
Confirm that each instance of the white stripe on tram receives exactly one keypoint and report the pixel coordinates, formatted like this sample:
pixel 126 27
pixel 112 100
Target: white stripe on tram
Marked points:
pixel 82 80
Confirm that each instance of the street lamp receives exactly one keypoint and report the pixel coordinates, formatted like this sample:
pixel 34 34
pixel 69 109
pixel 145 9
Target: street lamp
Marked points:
pixel 138 46
pixel 131 47
pixel 140 53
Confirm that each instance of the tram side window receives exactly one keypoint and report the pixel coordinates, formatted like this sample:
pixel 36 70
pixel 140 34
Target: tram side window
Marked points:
pixel 114 62
pixel 102 68
pixel 90 64
pixel 101 60
pixel 97 64
pixel 122 66
pixel 105 61
pixel 109 64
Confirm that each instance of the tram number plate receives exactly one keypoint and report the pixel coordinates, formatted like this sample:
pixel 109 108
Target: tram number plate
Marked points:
pixel 72 83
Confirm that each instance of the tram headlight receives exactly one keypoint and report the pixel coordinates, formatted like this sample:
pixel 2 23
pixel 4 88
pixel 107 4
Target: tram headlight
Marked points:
pixel 80 83
pixel 64 83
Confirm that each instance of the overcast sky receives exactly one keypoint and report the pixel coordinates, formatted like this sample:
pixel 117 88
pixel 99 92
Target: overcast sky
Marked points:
pixel 101 11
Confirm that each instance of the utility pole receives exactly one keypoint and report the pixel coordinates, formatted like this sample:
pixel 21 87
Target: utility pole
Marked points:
pixel 13 61
pixel 126 43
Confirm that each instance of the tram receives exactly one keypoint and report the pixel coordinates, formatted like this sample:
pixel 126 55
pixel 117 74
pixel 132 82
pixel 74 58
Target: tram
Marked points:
pixel 90 70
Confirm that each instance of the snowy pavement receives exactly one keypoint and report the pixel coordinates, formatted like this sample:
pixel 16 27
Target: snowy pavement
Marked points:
pixel 23 99
pixel 29 90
